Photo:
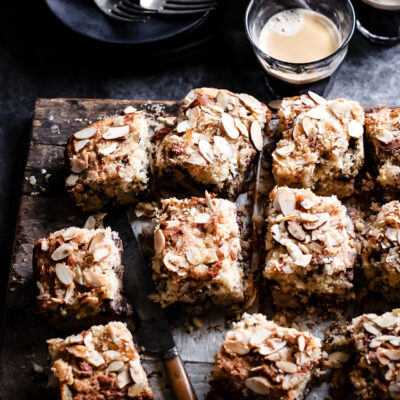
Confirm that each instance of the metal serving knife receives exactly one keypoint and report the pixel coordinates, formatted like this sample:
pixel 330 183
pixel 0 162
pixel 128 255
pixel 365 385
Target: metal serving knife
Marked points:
pixel 152 328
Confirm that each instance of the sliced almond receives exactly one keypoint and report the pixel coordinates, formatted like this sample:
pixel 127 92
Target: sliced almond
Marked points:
pixel 206 150
pixel 285 150
pixel 86 133
pixel 70 233
pixel 392 234
pixel 61 252
pixel 275 104
pixel 97 239
pixel 258 385
pixel 339 356
pixel 109 149
pixel 301 343
pixel 385 137
pixel 307 125
pixel 355 129
pixel 386 320
pixel 209 201
pixel 228 124
pixel 222 99
pixel 285 200
pixel 256 135
pixel 307 100
pixel 242 127
pixel 116 132
pixel 64 274
pixel 259 337
pixel 250 101
pixel 236 347
pixel 115 366
pixel 100 253
pixel 119 121
pixel 202 218
pixel 172 261
pixel 81 144
pixel 307 204
pixel 287 366
pixel 129 110
pixel 317 98
pixel 171 224
pixel 221 146
pixel 322 219
pixel 303 260
pixel 123 378
pixel 92 175
pixel 77 166
pixel 371 329
pixel 159 241
pixel 341 108
pixel 296 230
pixel 194 256
pixel 318 113
pixel 183 126
pixel 308 217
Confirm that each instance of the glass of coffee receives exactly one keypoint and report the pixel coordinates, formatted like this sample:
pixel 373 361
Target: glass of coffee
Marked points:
pixel 299 43
pixel 379 20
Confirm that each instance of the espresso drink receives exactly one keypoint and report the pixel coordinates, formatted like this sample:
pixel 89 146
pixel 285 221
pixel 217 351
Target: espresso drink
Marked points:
pixel 299 36
pixel 379 20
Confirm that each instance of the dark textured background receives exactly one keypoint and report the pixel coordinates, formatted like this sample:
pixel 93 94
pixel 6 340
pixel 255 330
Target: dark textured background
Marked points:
pixel 39 57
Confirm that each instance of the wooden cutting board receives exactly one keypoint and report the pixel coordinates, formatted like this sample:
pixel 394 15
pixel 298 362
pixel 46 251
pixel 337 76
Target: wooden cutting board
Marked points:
pixel 45 207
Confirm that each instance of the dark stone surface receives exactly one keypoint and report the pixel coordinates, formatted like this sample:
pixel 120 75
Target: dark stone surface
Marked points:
pixel 39 57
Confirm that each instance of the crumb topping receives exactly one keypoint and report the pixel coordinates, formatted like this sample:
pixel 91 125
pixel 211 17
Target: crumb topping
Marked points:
pixel 99 361
pixel 267 358
pixel 196 243
pixel 376 340
pixel 216 137
pixel 109 159
pixel 78 271
pixel 321 141
pixel 309 237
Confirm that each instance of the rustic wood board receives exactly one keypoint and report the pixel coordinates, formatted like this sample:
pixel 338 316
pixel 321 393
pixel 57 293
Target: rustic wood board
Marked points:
pixel 45 207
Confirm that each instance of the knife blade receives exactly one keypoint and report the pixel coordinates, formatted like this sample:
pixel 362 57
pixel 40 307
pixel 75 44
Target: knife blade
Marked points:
pixel 152 327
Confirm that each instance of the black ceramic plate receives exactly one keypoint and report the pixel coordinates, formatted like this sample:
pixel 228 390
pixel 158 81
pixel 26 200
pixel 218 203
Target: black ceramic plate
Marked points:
pixel 83 16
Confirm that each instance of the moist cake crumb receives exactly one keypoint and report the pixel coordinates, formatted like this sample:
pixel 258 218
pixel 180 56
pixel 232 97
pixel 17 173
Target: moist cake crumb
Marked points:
pixel 78 274
pixel 311 248
pixel 198 252
pixel 381 252
pixel 109 162
pixel 216 138
pixel 322 144
pixel 260 359
pixel 99 363
pixel 376 345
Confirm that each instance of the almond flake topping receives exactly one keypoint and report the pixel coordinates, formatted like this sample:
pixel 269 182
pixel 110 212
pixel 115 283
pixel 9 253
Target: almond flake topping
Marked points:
pixel 356 130
pixel 100 253
pixel 284 201
pixel 61 252
pixel 115 366
pixel 172 261
pixel 116 132
pixel 77 166
pixel 287 366
pixel 222 146
pixel 285 150
pixel 236 347
pixel 206 150
pixel 307 125
pixel 317 98
pixel 109 149
pixel 81 144
pixel 228 124
pixel 275 104
pixel 64 274
pixel 256 135
pixel 318 113
pixel 385 137
pixel 159 241
pixel 86 133
pixel 258 385
pixel 242 127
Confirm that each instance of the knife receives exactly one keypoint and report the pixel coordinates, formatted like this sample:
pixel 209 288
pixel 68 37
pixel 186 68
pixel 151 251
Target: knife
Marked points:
pixel 152 328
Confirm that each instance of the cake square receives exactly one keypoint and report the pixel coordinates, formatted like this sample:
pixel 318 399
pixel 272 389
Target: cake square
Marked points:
pixel 381 252
pixel 99 363
pixel 321 144
pixel 217 136
pixel 109 162
pixel 79 275
pixel 259 360
pixel 383 135
pixel 376 345
pixel 197 252
pixel 311 247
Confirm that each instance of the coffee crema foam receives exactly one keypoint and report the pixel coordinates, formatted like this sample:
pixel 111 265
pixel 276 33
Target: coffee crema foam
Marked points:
pixel 299 36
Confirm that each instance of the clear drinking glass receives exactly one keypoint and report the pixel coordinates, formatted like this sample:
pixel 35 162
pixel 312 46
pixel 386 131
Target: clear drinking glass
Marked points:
pixel 286 78
pixel 379 20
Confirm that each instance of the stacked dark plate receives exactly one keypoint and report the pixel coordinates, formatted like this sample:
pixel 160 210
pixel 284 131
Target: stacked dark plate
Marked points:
pixel 160 39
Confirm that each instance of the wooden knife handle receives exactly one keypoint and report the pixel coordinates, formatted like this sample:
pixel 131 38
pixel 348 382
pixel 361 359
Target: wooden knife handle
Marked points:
pixel 181 386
